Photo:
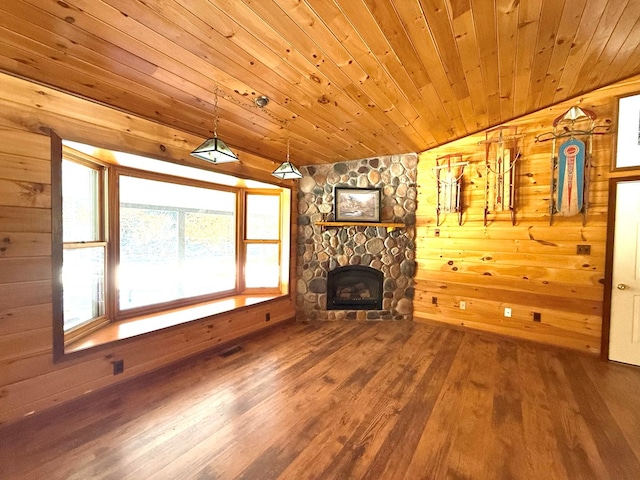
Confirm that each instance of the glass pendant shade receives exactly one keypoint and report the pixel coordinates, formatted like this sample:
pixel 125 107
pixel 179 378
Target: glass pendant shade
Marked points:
pixel 215 150
pixel 287 171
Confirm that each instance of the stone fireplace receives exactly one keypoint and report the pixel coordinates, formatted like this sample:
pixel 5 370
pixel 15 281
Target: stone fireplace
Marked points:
pixel 322 250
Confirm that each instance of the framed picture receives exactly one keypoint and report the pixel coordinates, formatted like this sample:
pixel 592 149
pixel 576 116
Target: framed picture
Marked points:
pixel 357 204
pixel 628 138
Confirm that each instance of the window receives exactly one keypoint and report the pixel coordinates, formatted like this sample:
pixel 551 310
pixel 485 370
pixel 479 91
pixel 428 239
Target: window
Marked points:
pixel 262 241
pixel 84 245
pixel 176 242
pixel 138 241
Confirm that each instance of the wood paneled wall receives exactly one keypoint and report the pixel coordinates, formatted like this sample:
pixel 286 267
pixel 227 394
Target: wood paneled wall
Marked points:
pixel 29 380
pixel 529 267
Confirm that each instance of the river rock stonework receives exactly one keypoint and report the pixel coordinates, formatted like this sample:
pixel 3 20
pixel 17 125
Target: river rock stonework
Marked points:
pixel 321 250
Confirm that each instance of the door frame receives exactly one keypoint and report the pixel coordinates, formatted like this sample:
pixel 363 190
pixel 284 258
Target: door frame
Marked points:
pixel 608 265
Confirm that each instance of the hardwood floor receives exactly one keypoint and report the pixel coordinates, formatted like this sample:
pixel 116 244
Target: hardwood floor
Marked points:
pixel 375 400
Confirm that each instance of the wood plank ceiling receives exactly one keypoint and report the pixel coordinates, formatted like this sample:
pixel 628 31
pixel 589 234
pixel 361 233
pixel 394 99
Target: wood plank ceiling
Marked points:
pixel 347 79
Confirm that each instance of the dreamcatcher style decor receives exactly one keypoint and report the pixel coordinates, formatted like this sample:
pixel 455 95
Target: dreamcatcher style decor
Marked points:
pixel 448 171
pixel 570 161
pixel 501 154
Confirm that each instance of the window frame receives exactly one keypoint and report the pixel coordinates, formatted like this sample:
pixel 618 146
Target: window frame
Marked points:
pixel 279 241
pixel 110 230
pixel 120 314
pixel 102 241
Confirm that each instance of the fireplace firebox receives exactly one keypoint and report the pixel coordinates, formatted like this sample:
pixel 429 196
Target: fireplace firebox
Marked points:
pixel 354 287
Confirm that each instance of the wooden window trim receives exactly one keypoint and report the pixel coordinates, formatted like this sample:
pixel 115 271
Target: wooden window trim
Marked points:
pixel 113 319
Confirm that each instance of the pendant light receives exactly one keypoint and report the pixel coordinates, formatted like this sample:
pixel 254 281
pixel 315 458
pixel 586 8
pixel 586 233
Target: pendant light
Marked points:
pixel 213 149
pixel 287 170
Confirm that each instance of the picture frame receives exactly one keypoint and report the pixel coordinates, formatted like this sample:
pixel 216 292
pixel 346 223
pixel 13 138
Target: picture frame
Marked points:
pixel 627 146
pixel 357 204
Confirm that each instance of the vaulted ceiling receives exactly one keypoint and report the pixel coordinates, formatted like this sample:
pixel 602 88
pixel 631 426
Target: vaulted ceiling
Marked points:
pixel 346 79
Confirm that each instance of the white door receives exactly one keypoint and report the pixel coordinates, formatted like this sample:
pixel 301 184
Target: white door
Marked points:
pixel 624 337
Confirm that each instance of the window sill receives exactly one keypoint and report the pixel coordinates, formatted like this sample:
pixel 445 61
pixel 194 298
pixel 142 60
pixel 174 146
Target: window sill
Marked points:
pixel 134 327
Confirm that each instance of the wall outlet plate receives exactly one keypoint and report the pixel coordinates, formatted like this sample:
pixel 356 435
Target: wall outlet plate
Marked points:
pixel 463 305
pixel 118 366
pixel 583 249
pixel 507 312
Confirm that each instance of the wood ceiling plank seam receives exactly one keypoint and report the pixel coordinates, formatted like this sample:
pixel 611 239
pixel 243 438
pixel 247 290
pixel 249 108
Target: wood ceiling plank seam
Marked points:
pixel 51 102
pixel 241 35
pixel 507 29
pixel 445 132
pixel 632 65
pixel 169 84
pixel 362 103
pixel 70 116
pixel 485 28
pixel 365 26
pixel 567 30
pixel 237 75
pixel 367 42
pixel 326 41
pixel 389 98
pixel 87 67
pixel 528 24
pixel 549 21
pixel 627 52
pixel 345 142
pixel 615 41
pixel 444 106
pixel 302 42
pixel 385 15
pixel 465 35
pixel 436 15
pixel 38 16
pixel 587 26
pixel 180 80
pixel 609 18
pixel 230 48
pixel 50 68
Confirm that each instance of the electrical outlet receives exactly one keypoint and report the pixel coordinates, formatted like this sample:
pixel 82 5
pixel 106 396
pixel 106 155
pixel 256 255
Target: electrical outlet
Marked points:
pixel 118 366
pixel 463 305
pixel 537 316
pixel 434 300
pixel 267 317
pixel 583 249
pixel 507 312
pixel 437 232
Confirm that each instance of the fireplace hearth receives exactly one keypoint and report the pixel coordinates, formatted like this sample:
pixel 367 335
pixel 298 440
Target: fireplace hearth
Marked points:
pixel 354 287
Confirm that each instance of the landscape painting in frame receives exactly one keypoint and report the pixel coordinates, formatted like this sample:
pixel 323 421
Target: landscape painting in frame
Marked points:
pixel 357 204
pixel 628 141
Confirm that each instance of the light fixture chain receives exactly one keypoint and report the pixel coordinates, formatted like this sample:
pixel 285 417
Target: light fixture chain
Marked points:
pixel 215 112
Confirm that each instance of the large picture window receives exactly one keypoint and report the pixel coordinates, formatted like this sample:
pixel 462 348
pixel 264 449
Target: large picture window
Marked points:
pixel 176 242
pixel 141 241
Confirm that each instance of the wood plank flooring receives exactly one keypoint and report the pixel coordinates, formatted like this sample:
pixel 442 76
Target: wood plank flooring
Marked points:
pixel 373 400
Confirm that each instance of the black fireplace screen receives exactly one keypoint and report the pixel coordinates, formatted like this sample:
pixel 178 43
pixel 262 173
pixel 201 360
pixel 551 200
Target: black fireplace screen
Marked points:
pixel 354 287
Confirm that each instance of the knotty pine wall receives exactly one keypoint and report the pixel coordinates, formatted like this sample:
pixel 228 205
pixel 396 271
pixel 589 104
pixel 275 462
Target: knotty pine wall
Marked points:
pixel 29 380
pixel 529 267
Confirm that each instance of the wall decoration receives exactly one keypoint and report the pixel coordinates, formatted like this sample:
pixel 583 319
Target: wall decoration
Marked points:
pixel 449 170
pixel 628 139
pixel 570 161
pixel 501 154
pixel 357 204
